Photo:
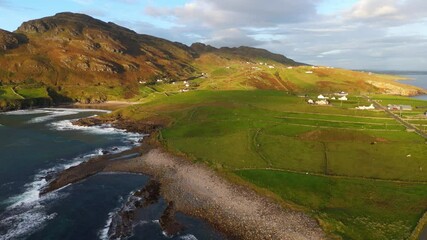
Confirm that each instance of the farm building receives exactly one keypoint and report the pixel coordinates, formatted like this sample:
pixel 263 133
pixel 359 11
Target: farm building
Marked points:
pixel 370 107
pixel 343 98
pixel 322 102
pixel 399 107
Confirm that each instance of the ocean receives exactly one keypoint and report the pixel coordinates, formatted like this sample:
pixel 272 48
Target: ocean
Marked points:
pixel 419 80
pixel 34 144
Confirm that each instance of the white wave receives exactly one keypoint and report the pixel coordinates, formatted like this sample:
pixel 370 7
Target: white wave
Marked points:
pixel 21 222
pixel 24 112
pixel 188 237
pixel 59 112
pixel 105 129
pixel 103 233
pixel 26 212
pixel 30 195
pixel 44 110
pixel 78 110
pixel 51 115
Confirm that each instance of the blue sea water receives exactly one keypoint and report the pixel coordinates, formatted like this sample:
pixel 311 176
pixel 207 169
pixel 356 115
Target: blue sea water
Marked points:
pixel 36 143
pixel 418 81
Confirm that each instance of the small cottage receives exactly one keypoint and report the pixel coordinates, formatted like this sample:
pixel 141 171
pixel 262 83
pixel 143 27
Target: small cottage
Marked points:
pixel 370 107
pixel 322 102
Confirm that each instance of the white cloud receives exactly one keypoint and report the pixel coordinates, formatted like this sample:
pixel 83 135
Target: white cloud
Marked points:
pixel 369 34
pixel 388 12
pixel 238 13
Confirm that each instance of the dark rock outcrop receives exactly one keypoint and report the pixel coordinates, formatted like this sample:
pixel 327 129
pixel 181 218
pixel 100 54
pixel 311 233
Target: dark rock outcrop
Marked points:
pixel 9 40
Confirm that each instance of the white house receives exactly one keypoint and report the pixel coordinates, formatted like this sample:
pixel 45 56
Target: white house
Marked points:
pixel 271 67
pixel 309 72
pixel 310 101
pixel 321 97
pixel 290 67
pixel 187 85
pixel 322 102
pixel 370 107
pixel 342 93
pixel 343 98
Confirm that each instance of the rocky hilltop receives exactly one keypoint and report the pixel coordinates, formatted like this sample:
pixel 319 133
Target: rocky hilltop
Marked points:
pixel 10 40
pixel 75 49
pixel 70 51
pixel 74 57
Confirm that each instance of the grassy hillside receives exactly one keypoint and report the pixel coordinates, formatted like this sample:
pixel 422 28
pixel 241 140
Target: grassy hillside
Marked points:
pixel 242 111
pixel 83 59
pixel 359 172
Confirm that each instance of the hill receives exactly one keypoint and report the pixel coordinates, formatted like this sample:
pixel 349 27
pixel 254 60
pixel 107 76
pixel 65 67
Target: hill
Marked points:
pixel 76 58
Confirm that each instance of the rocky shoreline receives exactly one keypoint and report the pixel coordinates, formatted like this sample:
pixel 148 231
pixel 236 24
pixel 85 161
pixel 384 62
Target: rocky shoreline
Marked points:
pixel 193 189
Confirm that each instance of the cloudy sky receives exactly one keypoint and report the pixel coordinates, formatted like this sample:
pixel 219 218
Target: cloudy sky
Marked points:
pixel 355 34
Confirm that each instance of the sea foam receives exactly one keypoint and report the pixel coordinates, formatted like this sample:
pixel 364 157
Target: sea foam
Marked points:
pixel 27 212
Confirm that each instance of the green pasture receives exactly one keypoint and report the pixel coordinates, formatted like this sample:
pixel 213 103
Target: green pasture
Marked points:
pixel 358 172
pixel 349 208
pixel 32 92
pixel 6 92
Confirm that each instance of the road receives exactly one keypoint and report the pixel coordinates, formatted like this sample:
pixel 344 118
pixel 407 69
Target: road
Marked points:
pixel 400 120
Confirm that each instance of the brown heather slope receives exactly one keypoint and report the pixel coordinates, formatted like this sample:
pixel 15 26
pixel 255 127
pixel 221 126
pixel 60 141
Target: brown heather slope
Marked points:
pixel 74 50
pixel 87 60
pixel 74 57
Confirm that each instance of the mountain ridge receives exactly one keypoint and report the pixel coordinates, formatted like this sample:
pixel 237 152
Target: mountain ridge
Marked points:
pixel 79 58
pixel 73 50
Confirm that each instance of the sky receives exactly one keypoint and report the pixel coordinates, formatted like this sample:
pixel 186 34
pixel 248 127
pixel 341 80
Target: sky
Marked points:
pixel 353 34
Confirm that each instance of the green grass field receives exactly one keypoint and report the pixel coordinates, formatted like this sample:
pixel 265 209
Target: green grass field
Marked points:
pixel 35 92
pixel 359 172
pixel 349 208
pixel 8 93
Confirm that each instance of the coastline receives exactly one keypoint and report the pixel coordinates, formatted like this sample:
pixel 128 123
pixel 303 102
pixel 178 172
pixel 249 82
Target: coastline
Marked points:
pixel 108 105
pixel 196 190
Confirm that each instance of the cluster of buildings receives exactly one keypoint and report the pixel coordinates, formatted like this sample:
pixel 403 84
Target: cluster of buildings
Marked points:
pixel 324 100
pixel 395 107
